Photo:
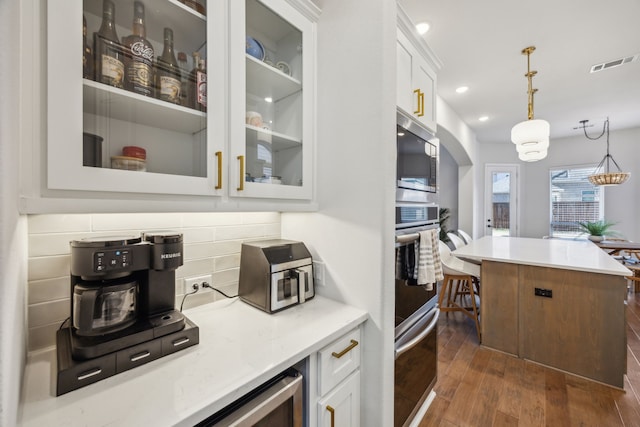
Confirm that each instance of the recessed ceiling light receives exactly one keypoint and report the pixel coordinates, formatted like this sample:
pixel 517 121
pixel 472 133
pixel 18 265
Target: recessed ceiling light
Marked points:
pixel 483 118
pixel 268 99
pixel 462 89
pixel 423 27
pixel 400 133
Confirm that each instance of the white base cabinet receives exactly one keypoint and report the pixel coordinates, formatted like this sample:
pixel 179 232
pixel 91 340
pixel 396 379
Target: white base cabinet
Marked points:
pixel 339 382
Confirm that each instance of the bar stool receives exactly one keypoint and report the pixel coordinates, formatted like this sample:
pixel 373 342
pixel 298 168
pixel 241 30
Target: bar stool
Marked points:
pixel 456 240
pixel 460 280
pixel 465 236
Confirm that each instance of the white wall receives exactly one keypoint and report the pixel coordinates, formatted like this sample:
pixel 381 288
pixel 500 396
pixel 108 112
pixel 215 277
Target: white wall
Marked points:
pixel 622 203
pixel 448 182
pixel 13 229
pixel 354 230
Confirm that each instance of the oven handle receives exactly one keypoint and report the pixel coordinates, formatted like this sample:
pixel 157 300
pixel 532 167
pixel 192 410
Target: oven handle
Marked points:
pixel 403 348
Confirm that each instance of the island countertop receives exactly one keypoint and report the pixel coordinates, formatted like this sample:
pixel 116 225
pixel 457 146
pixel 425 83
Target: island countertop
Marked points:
pixel 578 255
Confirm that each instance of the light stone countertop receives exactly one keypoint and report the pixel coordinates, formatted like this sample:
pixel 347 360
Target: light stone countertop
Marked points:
pixel 240 348
pixel 579 255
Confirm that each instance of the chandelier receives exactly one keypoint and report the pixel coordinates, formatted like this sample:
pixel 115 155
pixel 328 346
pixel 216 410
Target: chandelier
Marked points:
pixel 531 136
pixel 602 175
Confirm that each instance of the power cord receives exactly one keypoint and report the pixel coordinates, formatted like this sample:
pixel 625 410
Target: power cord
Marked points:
pixel 206 285
pixel 196 288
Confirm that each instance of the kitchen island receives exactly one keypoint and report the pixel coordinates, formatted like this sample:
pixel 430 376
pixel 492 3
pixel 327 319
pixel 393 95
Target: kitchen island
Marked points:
pixel 240 348
pixel 557 302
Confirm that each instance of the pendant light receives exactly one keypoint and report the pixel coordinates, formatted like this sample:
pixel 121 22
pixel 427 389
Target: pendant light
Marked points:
pixel 531 136
pixel 602 175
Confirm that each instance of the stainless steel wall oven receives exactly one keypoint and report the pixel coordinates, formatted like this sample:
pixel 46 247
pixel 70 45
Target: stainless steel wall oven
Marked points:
pixel 416 351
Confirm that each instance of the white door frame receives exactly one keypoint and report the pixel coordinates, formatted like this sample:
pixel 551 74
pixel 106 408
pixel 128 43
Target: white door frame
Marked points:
pixel 514 199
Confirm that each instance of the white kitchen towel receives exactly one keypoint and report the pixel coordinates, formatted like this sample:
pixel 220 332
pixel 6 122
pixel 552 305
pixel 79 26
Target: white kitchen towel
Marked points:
pixel 429 265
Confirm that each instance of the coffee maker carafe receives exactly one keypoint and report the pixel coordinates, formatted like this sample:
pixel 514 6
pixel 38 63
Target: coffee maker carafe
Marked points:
pixel 105 308
pixel 122 307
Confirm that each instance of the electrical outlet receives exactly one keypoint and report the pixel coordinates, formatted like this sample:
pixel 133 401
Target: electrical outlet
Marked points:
pixel 197 280
pixel 318 273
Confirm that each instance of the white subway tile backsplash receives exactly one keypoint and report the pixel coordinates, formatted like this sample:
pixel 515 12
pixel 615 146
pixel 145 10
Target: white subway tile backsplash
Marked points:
pixel 43 336
pixel 239 232
pixel 49 289
pixel 198 250
pixel 226 277
pixel 226 262
pixel 212 244
pixel 48 312
pixel 47 267
pixel 59 223
pixel 145 222
pixel 53 244
pixel 260 217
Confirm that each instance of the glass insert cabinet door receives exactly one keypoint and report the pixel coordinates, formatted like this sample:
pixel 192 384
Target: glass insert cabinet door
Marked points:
pixel 272 54
pixel 138 111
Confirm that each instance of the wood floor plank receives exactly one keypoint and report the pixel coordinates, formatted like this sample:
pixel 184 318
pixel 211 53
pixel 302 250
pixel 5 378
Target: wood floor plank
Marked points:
pixel 459 410
pixel 532 410
pixel 436 411
pixel 489 390
pixel 556 399
pixel 628 406
pixel 511 397
pixel 504 420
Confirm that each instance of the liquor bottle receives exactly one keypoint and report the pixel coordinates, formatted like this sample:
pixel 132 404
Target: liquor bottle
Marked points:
pixel 138 50
pixel 192 87
pixel 184 81
pixel 168 73
pixel 87 54
pixel 201 86
pixel 108 51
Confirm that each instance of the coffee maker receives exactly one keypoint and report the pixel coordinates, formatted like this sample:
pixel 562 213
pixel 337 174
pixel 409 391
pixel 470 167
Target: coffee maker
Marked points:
pixel 122 307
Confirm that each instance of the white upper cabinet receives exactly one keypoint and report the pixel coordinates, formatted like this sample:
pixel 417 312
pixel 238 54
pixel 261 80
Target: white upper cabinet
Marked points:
pixel 95 117
pixel 416 75
pixel 174 106
pixel 272 55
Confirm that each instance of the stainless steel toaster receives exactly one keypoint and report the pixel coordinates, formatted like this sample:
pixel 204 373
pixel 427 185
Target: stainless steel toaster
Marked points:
pixel 275 274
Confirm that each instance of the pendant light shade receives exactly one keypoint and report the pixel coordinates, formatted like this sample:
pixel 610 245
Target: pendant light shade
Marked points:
pixel 528 131
pixel 531 136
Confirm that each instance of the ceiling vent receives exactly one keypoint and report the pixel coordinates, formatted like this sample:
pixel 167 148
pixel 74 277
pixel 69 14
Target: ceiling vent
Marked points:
pixel 614 63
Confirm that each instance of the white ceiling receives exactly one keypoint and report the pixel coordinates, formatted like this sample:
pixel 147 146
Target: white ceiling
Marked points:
pixel 479 44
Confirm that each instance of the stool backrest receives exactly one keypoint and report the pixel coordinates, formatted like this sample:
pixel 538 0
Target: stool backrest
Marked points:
pixel 456 240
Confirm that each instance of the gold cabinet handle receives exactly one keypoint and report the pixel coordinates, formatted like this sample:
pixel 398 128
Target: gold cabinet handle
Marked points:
pixel 353 344
pixel 219 156
pixel 417 92
pixel 421 102
pixel 333 415
pixel 241 186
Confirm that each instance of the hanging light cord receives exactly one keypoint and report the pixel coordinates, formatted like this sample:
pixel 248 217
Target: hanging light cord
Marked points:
pixel 607 157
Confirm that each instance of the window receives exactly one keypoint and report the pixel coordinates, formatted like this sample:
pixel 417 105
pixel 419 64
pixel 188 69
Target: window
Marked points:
pixel 573 198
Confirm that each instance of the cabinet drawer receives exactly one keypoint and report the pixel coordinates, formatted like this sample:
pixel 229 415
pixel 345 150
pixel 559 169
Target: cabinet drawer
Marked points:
pixel 337 360
pixel 81 373
pixel 182 339
pixel 138 355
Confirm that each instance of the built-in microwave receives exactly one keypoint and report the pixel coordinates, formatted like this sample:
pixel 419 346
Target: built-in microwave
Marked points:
pixel 417 163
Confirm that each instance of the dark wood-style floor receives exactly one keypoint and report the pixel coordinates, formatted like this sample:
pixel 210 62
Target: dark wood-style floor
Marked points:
pixel 481 387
